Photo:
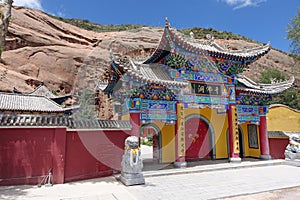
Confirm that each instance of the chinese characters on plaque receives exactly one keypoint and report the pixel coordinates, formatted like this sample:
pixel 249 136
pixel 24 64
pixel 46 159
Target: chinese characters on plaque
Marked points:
pixel 181 130
pixel 207 89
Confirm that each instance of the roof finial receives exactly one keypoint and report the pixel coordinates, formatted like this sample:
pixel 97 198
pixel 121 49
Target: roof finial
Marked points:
pixel 192 35
pixel 210 39
pixel 167 23
pixel 111 54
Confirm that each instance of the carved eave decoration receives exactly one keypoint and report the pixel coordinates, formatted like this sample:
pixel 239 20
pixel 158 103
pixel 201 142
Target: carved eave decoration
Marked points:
pixel 228 61
pixel 247 85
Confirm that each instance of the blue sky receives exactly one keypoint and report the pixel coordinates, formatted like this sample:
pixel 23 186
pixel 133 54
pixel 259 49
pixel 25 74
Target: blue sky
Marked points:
pixel 261 20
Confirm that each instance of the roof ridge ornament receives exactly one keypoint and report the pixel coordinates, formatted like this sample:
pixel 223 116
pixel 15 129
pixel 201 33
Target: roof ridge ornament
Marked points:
pixel 192 35
pixel 210 38
pixel 168 25
pixel 227 46
pixel 111 54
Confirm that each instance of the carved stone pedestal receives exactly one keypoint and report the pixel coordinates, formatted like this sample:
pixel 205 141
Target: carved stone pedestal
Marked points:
pixel 292 158
pixel 235 160
pixel 180 164
pixel 292 151
pixel 293 162
pixel 132 179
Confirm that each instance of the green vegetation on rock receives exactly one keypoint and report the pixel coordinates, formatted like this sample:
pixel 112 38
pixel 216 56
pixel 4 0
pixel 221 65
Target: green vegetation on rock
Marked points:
pixel 271 75
pixel 87 25
pixel 200 33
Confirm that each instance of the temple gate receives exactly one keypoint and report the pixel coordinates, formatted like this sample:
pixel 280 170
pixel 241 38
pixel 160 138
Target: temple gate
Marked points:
pixel 185 78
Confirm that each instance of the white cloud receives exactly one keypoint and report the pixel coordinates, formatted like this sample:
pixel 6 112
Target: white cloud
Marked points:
pixel 237 4
pixel 60 14
pixel 35 4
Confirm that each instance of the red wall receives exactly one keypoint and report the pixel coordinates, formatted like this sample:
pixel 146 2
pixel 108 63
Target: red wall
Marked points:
pixel 277 147
pixel 27 154
pixel 92 154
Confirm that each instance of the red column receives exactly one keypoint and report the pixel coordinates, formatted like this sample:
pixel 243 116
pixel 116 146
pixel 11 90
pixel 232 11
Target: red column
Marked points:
pixel 264 141
pixel 230 128
pixel 135 123
pixel 233 123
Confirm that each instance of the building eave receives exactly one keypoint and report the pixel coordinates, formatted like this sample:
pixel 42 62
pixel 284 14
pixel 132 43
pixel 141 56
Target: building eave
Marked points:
pixel 140 71
pixel 208 48
pixel 42 90
pixel 248 85
pixel 30 103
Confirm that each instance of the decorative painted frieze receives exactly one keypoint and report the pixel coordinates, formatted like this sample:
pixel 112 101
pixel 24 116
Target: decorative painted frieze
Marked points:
pixel 248 113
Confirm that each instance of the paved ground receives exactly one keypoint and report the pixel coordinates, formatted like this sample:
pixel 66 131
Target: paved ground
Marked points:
pixel 282 194
pixel 248 180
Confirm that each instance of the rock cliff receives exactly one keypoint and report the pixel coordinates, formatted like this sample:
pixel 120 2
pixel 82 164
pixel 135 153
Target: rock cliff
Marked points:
pixel 41 48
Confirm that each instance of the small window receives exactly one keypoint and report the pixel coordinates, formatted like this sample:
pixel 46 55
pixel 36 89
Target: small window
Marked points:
pixel 252 136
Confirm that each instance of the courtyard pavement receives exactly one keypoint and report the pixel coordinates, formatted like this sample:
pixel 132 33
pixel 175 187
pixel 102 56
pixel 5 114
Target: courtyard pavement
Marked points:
pixel 247 180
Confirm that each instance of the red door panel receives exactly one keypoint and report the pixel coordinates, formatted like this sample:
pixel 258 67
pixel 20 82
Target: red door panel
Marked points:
pixel 197 139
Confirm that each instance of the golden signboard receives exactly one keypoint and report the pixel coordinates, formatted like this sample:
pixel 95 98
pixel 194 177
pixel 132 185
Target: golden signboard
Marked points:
pixel 206 89
pixel 181 129
pixel 235 130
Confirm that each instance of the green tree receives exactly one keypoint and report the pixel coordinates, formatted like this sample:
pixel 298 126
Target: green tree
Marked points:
pixel 87 105
pixel 5 18
pixel 289 97
pixel 272 75
pixel 293 31
pixel 4 22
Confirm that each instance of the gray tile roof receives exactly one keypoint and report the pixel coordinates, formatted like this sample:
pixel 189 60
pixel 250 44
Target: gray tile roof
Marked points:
pixel 248 85
pixel 21 102
pixel 147 73
pixel 33 120
pixel 42 90
pixel 99 124
pixel 61 120
pixel 153 73
pixel 211 45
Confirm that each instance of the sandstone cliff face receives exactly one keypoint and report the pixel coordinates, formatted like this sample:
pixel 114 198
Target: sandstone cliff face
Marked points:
pixel 40 48
pixel 66 58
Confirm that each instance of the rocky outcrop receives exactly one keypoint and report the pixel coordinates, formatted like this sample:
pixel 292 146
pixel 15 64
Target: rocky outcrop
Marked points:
pixel 67 58
pixel 41 48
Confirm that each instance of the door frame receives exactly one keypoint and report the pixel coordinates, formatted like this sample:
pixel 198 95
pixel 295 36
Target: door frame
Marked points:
pixel 157 135
pixel 211 132
pixel 241 145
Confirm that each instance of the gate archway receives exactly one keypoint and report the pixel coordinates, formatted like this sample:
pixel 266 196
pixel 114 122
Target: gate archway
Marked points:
pixel 199 138
pixel 241 143
pixel 151 133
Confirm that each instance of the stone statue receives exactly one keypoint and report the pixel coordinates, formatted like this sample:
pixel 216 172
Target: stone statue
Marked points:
pixel 292 150
pixel 132 163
